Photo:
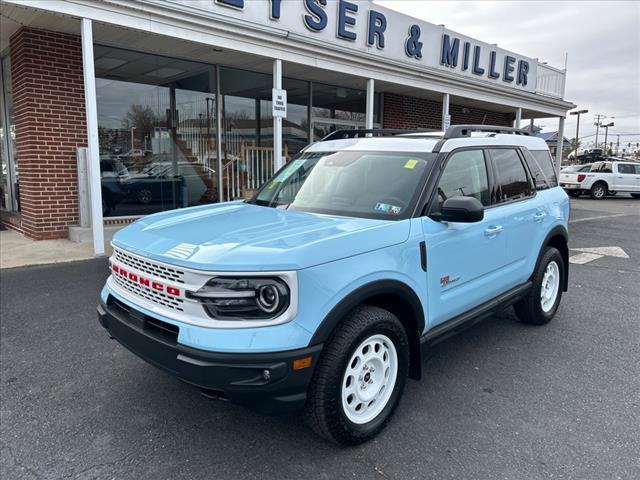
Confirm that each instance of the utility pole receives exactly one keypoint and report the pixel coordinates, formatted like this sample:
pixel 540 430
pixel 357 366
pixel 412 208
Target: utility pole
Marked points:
pixel 578 113
pixel 618 146
pixel 597 124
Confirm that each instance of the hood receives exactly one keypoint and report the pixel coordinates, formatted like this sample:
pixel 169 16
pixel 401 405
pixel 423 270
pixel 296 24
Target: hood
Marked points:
pixel 238 236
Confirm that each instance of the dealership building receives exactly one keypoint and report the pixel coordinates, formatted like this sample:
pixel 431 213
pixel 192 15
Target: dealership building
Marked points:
pixel 113 109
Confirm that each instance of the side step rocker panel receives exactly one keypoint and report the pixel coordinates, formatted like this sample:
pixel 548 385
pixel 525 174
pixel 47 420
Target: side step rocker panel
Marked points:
pixel 473 316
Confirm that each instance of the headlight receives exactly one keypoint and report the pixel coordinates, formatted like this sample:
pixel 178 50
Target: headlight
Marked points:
pixel 238 298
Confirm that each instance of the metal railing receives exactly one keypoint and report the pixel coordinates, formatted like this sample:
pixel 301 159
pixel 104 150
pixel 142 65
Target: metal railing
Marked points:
pixel 246 173
pixel 550 81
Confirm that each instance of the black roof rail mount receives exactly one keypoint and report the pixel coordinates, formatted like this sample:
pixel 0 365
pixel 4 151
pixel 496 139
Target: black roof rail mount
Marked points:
pixel 459 131
pixel 372 132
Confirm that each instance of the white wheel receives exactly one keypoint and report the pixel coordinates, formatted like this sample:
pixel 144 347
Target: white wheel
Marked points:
pixel 369 379
pixel 550 286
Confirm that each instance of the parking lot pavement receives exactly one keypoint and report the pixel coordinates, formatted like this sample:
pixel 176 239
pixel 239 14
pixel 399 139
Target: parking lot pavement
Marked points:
pixel 501 400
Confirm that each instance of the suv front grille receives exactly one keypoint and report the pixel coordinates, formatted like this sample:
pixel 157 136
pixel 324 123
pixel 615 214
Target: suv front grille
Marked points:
pixel 149 267
pixel 154 296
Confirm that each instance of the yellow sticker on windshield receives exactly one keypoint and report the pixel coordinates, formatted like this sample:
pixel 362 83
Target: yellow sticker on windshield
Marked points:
pixel 272 185
pixel 410 164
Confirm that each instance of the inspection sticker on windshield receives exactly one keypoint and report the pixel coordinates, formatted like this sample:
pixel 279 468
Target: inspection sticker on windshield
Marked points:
pixel 411 164
pixel 386 208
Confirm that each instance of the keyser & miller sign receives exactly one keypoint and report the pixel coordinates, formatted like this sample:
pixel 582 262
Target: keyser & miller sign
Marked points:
pixel 369 28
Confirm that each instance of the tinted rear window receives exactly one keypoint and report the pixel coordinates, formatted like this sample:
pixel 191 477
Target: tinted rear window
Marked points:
pixel 512 179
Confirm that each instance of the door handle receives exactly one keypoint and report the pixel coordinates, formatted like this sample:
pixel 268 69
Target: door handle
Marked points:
pixel 493 230
pixel 538 217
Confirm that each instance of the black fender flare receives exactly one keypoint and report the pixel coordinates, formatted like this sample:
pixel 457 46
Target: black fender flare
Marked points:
pixel 359 296
pixel 414 326
pixel 558 230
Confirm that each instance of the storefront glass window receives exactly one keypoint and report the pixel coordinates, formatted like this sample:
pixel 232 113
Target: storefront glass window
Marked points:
pixel 156 126
pixel 9 198
pixel 338 108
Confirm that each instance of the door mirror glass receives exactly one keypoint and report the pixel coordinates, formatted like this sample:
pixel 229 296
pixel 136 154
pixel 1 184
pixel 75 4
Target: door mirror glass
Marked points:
pixel 461 210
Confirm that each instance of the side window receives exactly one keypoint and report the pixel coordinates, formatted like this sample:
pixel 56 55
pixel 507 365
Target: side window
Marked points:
pixel 586 168
pixel 511 178
pixel 626 168
pixel 542 168
pixel 606 168
pixel 637 169
pixel 465 174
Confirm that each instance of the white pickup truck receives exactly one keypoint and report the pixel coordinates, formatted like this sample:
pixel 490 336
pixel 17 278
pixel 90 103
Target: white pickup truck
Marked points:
pixel 603 178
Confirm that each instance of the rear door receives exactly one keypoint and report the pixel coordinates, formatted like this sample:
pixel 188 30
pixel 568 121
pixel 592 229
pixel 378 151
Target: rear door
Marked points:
pixel 523 214
pixel 465 260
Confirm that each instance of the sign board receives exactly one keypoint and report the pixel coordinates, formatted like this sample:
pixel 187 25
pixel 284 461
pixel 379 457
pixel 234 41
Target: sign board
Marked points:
pixel 446 122
pixel 279 102
pixel 364 28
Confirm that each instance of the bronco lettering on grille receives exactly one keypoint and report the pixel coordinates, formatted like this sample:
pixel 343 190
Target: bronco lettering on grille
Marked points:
pixel 140 280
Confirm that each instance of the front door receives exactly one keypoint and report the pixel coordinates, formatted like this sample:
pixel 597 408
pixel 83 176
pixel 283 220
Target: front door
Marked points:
pixel 464 261
pixel 625 178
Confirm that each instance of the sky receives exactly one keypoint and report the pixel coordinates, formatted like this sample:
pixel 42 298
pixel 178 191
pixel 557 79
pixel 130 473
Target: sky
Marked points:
pixel 601 40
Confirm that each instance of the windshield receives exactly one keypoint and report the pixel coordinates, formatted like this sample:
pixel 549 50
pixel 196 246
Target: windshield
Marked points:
pixel 350 183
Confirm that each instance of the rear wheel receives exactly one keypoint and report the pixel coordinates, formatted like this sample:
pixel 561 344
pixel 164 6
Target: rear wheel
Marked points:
pixel 598 191
pixel 360 378
pixel 540 304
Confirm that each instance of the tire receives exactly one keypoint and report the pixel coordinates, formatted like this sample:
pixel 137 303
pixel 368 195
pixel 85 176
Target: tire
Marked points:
pixel 541 302
pixel 598 191
pixel 144 196
pixel 344 377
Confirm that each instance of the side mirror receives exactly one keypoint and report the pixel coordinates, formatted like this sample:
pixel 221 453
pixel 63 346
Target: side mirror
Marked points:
pixel 461 210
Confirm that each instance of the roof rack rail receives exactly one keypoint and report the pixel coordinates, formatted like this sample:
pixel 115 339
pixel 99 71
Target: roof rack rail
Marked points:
pixel 458 131
pixel 372 132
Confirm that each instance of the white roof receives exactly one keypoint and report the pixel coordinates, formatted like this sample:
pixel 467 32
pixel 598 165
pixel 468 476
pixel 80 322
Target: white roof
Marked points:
pixel 425 142
pixel 376 144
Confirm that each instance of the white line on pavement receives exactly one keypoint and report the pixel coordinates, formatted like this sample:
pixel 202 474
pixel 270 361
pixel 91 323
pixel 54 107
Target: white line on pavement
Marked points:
pixel 601 216
pixel 583 258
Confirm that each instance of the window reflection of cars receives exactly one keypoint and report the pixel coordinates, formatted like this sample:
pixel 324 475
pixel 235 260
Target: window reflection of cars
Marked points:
pixel 166 181
pixel 114 178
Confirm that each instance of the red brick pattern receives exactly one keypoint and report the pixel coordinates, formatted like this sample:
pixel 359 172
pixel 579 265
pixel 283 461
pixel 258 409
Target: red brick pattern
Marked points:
pixel 410 112
pixel 48 96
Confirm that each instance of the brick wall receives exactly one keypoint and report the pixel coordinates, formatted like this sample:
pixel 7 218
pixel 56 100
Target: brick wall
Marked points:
pixel 409 112
pixel 48 97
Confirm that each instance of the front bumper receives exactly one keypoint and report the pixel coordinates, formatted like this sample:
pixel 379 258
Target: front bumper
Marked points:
pixel 239 377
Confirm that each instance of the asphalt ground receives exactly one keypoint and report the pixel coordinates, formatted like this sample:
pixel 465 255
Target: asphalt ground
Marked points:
pixel 502 400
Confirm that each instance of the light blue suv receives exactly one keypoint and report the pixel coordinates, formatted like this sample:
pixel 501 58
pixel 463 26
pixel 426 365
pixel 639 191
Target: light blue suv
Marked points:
pixel 325 290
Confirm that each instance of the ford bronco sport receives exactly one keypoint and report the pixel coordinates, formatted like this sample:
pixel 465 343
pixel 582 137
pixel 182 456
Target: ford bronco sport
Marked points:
pixel 323 292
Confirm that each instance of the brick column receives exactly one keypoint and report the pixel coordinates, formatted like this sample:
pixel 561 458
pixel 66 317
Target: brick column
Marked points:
pixel 401 111
pixel 48 98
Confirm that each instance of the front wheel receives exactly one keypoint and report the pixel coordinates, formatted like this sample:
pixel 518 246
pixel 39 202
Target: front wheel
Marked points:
pixel 541 302
pixel 360 378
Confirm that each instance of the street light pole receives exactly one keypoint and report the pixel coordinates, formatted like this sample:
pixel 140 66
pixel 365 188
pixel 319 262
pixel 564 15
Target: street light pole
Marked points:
pixel 606 133
pixel 132 144
pixel 578 113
